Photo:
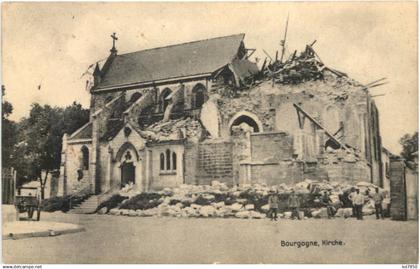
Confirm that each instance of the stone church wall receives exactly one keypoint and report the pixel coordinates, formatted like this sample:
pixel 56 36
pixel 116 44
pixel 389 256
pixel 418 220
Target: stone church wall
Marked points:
pixel 73 162
pixel 275 146
pixel 191 163
pixel 214 162
pixel 167 177
pixel 282 151
pixel 352 112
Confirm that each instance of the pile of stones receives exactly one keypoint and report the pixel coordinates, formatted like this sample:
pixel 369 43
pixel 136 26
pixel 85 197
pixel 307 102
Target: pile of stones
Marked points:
pixel 246 202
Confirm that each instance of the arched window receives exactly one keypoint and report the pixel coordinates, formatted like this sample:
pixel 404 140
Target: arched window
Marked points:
pixel 162 161
pixel 173 161
pixel 199 95
pixel 164 100
pixel 168 159
pixel 135 97
pixel 245 121
pixel 85 158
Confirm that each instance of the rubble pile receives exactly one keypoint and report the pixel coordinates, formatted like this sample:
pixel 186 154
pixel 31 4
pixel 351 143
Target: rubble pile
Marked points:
pixel 335 155
pixel 246 201
pixel 306 66
pixel 176 129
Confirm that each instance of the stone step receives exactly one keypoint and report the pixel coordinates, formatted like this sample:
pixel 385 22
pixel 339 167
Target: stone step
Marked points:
pixel 85 207
pixel 89 203
pixel 81 211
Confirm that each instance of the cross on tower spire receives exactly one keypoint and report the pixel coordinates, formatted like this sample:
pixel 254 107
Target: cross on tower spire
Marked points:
pixel 114 38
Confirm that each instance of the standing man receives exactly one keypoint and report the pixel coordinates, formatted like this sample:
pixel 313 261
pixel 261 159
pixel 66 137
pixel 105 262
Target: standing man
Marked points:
pixel 378 198
pixel 273 202
pixel 359 200
pixel 294 204
pixel 351 198
pixel 326 200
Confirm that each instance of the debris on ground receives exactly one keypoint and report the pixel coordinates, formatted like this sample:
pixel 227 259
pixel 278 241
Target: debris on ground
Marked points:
pixel 245 202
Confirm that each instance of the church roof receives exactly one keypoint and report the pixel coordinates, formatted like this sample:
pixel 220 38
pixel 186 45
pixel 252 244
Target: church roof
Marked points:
pixel 175 61
pixel 84 132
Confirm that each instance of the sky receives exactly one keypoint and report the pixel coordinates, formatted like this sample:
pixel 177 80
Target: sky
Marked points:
pixel 52 44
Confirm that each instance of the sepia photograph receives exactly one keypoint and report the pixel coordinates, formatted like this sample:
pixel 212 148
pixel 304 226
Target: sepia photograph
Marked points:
pixel 209 132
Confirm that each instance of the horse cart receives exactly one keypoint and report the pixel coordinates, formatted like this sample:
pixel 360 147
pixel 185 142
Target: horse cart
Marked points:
pixel 28 200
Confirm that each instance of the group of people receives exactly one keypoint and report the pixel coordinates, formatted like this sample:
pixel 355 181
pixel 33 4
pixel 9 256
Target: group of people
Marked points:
pixel 293 204
pixel 356 198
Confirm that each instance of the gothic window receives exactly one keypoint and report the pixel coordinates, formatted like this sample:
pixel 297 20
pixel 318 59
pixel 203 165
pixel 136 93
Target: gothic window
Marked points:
pixel 245 121
pixel 85 158
pixel 168 161
pixel 135 97
pixel 198 96
pixel 173 161
pixel 162 161
pixel 164 100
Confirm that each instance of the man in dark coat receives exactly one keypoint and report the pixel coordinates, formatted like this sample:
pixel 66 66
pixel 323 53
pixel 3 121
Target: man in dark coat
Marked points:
pixel 378 198
pixel 273 202
pixel 326 200
pixel 294 204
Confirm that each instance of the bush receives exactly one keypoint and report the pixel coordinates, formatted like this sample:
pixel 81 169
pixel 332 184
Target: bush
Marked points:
pixel 55 204
pixel 113 202
pixel 62 203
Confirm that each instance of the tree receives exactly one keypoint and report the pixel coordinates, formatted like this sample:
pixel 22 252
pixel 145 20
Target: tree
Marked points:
pixel 410 145
pixel 8 132
pixel 41 135
pixel 74 117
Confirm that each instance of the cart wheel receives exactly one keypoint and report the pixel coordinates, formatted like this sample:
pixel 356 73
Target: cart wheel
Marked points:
pixel 38 214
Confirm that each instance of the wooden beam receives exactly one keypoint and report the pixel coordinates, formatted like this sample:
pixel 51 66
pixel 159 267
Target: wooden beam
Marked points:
pixel 283 41
pixel 264 63
pixel 374 82
pixel 378 95
pixel 268 55
pixel 252 52
pixel 313 43
pixel 299 109
pixel 377 85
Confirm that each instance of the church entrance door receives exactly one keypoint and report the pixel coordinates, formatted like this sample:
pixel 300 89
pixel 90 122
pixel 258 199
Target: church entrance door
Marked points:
pixel 128 174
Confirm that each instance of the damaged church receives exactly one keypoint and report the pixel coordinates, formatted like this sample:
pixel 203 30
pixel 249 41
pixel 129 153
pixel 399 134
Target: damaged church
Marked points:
pixel 200 111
